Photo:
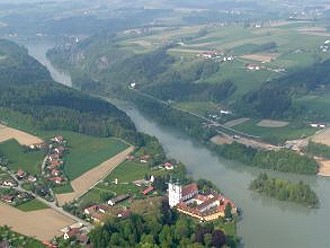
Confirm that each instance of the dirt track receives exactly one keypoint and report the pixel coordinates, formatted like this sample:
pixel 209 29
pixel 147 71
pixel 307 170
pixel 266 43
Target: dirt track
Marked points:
pixel 23 138
pixel 83 183
pixel 272 123
pixel 42 224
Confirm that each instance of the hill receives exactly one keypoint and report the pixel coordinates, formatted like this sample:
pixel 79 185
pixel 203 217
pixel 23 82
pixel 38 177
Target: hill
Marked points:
pixel 31 100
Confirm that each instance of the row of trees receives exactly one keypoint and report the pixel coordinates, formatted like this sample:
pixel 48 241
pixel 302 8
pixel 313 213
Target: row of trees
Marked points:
pixel 285 190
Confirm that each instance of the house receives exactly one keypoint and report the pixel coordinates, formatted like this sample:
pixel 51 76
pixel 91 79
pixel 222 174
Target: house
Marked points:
pixel 317 125
pixel 56 163
pixel 73 232
pixel 58 139
pixel 31 179
pixel 104 208
pixel 7 198
pixel 168 166
pixel 59 150
pixel 55 172
pixel 148 190
pixel 91 209
pixel 9 183
pixel 20 174
pixel 124 214
pixel 144 159
pixel 57 180
pixel 98 217
pixel 117 199
pixel 252 67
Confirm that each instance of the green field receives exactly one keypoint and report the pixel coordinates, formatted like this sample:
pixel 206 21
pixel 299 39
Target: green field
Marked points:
pixel 128 171
pixel 19 158
pixel 86 152
pixel 33 205
pixel 4 175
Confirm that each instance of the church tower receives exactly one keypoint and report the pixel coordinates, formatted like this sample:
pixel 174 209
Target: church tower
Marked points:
pixel 174 193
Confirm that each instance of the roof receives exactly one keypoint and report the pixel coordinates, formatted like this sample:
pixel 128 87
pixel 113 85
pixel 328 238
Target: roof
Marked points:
pixel 20 173
pixel 189 189
pixel 119 198
pixel 91 209
pixel 73 232
pixel 148 190
pixel 98 216
pixel 105 208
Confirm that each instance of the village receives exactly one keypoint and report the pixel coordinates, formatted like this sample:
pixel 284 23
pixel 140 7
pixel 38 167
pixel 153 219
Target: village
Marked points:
pixel 19 187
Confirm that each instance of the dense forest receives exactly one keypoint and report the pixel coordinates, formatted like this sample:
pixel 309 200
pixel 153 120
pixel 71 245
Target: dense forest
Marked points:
pixel 285 190
pixel 31 100
pixel 163 228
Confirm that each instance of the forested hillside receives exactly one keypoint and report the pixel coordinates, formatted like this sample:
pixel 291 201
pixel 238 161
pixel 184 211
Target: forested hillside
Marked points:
pixel 30 99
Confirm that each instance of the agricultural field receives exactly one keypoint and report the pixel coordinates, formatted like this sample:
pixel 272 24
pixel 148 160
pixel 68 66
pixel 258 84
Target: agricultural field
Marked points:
pixel 23 138
pixel 32 205
pixel 86 152
pixel 41 224
pixel 19 158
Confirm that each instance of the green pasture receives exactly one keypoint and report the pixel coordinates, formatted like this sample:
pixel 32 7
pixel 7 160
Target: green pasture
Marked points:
pixel 20 158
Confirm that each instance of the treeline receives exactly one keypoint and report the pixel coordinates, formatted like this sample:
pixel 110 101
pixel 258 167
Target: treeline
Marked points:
pixel 166 229
pixel 30 99
pixel 284 190
pixel 281 160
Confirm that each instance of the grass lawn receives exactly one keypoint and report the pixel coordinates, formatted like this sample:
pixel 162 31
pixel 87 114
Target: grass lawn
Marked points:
pixel 86 152
pixel 32 206
pixel 63 189
pixel 228 227
pixel 19 158
pixel 128 171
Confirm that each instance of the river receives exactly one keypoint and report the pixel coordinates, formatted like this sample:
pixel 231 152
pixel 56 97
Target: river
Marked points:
pixel 266 223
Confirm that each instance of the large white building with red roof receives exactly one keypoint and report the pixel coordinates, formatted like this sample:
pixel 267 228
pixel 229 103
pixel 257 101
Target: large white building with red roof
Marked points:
pixel 205 207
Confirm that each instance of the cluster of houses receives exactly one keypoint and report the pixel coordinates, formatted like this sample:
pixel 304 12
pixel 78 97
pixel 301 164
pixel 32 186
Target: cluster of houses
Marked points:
pixel 15 197
pixel 217 56
pixel 53 169
pixel 98 213
pixel 325 46
pixel 204 207
pixel 8 182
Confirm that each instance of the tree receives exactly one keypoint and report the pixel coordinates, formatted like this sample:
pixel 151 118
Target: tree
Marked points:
pixel 208 239
pixel 218 239
pixel 228 212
